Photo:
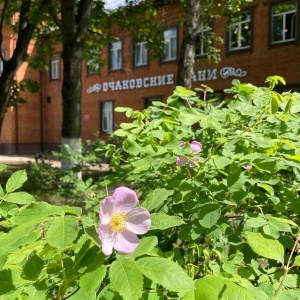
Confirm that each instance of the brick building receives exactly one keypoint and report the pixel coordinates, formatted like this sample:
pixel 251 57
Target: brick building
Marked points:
pixel 262 40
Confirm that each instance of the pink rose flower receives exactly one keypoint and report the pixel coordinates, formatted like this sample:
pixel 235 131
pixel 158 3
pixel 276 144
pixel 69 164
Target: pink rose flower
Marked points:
pixel 196 148
pixel 121 221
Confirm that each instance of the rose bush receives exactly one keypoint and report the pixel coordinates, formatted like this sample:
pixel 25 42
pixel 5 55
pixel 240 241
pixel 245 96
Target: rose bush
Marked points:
pixel 217 216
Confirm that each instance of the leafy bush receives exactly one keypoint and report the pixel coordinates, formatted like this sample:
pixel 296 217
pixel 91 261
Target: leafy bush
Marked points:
pixel 221 184
pixel 240 202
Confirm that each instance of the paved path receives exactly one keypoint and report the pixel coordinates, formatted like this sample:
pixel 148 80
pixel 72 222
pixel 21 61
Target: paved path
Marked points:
pixel 16 159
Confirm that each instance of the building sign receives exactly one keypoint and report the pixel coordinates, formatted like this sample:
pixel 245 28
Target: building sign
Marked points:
pixel 161 80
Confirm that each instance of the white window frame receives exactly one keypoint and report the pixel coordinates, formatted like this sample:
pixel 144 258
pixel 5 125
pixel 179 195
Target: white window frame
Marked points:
pixel 115 55
pixel 107 109
pixel 292 13
pixel 140 54
pixel 236 30
pixel 55 66
pixel 202 40
pixel 170 44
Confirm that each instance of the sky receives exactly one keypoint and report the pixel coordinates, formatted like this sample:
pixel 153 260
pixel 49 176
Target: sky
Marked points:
pixel 113 4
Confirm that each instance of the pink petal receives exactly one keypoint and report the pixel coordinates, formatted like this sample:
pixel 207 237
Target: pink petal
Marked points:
pixel 181 161
pixel 139 220
pixel 107 237
pixel 125 199
pixel 106 209
pixel 181 144
pixel 196 146
pixel 126 241
pixel 194 161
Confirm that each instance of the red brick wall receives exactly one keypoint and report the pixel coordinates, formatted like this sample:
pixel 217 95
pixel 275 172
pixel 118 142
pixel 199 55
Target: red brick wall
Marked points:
pixel 261 62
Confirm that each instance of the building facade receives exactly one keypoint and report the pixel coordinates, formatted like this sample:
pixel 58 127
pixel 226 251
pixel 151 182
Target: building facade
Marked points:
pixel 260 41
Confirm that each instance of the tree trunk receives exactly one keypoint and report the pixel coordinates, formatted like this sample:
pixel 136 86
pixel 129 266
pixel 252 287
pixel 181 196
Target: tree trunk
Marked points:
pixel 187 50
pixel 11 66
pixel 75 23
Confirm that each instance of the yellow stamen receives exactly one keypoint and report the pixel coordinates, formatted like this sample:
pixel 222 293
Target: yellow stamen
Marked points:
pixel 118 222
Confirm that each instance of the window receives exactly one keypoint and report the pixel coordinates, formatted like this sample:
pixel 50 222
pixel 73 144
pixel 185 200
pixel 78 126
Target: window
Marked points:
pixel 55 67
pixel 283 22
pixel 170 44
pixel 1 61
pixel 115 55
pixel 203 40
pixel 140 54
pixel 106 116
pixel 239 35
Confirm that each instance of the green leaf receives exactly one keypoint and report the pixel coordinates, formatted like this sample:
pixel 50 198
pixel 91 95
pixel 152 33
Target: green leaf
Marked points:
pixel 274 104
pixel 6 282
pixel 38 211
pixel 17 233
pixel 162 221
pixel 235 181
pixel 109 293
pixel 83 295
pixel 297 261
pixel 166 273
pixel 212 288
pixel 146 245
pixel 209 214
pixel 2 167
pixel 282 220
pixel 19 198
pixel 1 191
pixel 62 231
pixel 127 279
pixel 265 246
pixel 3 257
pixel 221 161
pixel 256 222
pixel 155 198
pixel 15 181
pixel 90 281
pixel 33 267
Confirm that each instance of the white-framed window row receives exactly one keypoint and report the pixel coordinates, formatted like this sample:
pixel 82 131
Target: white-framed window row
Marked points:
pixel 140 54
pixel 115 55
pixel 107 120
pixel 170 45
pixel 284 22
pixel 203 40
pixel 55 67
pixel 239 31
pixel 1 61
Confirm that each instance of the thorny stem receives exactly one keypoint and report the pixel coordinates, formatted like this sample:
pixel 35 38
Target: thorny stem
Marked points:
pixel 287 267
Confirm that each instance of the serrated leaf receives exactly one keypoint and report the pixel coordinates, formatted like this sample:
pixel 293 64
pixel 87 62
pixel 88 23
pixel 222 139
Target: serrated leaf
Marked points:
pixel 209 214
pixel 91 281
pixel 15 181
pixel 265 246
pixel 36 211
pixel 166 273
pixel 62 231
pixel 162 221
pixel 211 287
pixel 83 295
pixel 1 191
pixel 17 233
pixel 2 167
pixel 127 279
pixel 155 198
pixel 109 293
pixel 235 181
pixel 19 198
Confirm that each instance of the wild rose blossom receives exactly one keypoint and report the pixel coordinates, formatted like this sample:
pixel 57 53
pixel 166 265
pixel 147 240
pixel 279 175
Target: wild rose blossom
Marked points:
pixel 196 148
pixel 121 221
